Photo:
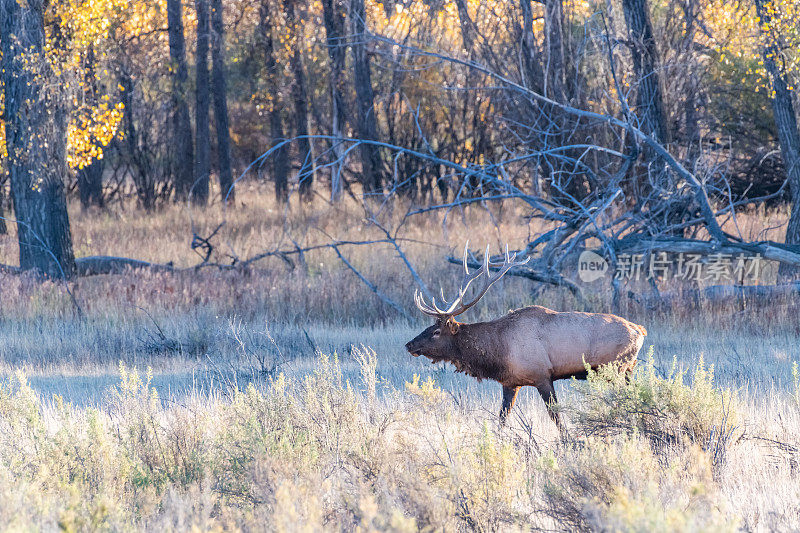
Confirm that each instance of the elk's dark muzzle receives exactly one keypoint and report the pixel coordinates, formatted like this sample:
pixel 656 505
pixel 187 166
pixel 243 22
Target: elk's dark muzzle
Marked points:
pixel 411 349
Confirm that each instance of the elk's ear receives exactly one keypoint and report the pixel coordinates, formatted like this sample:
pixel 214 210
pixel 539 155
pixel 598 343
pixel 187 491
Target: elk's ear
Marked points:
pixel 453 325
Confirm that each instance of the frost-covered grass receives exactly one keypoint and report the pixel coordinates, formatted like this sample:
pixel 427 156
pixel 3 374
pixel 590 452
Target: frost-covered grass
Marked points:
pixel 324 451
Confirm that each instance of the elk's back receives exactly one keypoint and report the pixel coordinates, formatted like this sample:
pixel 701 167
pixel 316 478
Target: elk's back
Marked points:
pixel 543 341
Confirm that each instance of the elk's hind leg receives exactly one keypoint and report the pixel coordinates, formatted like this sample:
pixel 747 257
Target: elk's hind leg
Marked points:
pixel 509 395
pixel 548 393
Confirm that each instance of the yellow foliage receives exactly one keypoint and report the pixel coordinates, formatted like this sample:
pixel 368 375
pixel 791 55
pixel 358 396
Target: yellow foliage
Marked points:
pixel 86 21
pixel 738 34
pixel 86 25
pixel 89 133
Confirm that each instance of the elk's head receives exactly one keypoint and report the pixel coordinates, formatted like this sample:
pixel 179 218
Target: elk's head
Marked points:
pixel 437 342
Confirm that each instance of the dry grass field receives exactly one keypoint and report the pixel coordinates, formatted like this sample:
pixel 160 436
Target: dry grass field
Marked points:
pixel 281 398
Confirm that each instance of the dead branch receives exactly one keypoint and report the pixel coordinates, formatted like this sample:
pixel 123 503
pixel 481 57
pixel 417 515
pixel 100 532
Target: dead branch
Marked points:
pixel 394 305
pixel 9 269
pixel 551 278
pixel 102 264
pixel 204 243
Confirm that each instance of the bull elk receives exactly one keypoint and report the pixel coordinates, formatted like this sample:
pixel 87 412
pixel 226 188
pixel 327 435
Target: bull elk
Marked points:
pixel 530 346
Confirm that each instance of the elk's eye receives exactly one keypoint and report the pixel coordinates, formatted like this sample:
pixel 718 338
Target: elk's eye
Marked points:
pixel 436 333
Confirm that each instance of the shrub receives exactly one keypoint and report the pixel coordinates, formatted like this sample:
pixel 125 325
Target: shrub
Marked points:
pixel 618 484
pixel 665 410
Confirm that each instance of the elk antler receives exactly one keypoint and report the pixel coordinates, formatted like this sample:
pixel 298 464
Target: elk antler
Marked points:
pixel 457 306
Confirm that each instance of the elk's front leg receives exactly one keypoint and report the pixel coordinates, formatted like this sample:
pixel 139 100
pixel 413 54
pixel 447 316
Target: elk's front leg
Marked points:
pixel 509 395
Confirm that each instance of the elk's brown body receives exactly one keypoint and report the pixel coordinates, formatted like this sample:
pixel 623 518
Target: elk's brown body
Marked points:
pixel 530 346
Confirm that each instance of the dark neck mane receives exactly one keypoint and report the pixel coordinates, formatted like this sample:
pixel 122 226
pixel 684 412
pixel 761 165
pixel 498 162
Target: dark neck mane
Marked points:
pixel 475 357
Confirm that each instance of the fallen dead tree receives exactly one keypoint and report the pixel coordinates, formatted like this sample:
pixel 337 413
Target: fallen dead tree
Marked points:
pixel 103 264
pixel 9 269
pixel 633 203
pixel 770 250
pixel 96 265
pixel 718 295
pixel 551 278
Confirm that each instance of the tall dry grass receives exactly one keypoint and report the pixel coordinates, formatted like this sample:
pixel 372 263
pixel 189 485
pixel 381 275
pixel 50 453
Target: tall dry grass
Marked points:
pixel 324 452
pixel 317 286
pixel 139 316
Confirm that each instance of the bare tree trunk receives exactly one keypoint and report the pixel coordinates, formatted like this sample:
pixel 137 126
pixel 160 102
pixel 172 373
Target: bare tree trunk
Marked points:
pixel 280 159
pixel 574 181
pixel 691 118
pixel 467 30
pixel 35 126
pixel 221 102
pixel 649 99
pixel 533 74
pixel 90 184
pixel 202 162
pixel 365 101
pixel 139 161
pixel 90 177
pixel 556 65
pixel 469 38
pixel 786 123
pixel 183 158
pixel 3 227
pixel 333 14
pixel 300 97
pixel 692 124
